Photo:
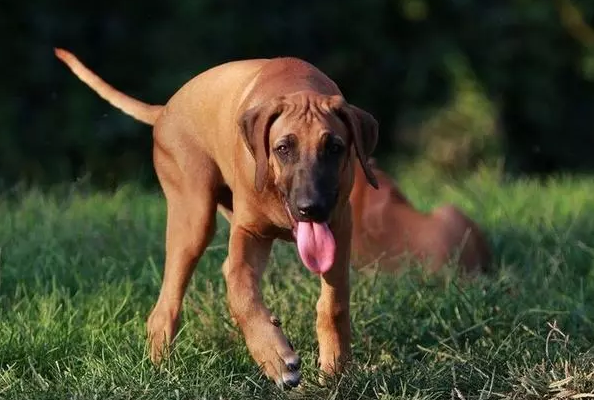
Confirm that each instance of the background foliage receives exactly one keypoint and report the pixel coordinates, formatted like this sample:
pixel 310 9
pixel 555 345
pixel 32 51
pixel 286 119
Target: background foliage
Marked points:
pixel 457 82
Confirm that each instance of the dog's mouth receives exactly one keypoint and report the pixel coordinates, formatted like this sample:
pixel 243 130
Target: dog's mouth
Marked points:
pixel 315 243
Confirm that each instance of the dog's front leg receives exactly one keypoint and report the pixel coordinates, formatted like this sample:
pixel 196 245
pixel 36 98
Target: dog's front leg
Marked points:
pixel 263 335
pixel 333 308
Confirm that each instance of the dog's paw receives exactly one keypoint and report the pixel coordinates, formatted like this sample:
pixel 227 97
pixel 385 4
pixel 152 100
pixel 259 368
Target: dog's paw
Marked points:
pixel 161 328
pixel 332 361
pixel 274 354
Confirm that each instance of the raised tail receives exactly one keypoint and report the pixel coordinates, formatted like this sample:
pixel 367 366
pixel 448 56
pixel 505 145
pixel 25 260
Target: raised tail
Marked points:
pixel 143 112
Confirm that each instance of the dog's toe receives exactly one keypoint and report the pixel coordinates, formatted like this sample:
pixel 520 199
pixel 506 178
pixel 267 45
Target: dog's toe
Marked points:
pixel 293 364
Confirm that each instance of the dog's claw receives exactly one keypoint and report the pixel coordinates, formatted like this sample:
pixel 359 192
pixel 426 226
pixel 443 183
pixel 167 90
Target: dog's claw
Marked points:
pixel 291 380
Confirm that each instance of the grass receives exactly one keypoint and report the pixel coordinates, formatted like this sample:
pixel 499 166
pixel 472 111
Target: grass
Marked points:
pixel 79 272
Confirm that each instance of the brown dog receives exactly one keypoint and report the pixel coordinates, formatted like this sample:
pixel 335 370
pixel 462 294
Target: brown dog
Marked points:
pixel 272 144
pixel 387 229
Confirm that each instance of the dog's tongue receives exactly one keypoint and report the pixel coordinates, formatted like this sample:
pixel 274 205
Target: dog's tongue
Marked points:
pixel 316 246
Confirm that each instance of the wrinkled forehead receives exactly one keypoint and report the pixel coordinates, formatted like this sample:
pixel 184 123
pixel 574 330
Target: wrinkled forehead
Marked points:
pixel 309 116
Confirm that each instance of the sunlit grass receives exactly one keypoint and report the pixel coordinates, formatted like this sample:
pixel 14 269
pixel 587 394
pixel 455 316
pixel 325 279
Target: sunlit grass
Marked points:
pixel 79 272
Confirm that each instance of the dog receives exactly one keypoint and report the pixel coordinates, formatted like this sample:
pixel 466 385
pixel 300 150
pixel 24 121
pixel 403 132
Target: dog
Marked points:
pixel 272 144
pixel 387 229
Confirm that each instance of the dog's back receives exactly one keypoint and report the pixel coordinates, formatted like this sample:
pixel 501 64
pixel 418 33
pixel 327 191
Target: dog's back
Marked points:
pixel 387 229
pixel 464 237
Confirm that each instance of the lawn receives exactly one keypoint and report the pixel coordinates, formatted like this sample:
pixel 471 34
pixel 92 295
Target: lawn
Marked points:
pixel 79 272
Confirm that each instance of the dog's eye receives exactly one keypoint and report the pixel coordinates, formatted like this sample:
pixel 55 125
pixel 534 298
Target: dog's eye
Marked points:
pixel 283 149
pixel 335 147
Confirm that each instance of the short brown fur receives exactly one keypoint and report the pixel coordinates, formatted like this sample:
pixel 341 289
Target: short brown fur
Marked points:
pixel 388 231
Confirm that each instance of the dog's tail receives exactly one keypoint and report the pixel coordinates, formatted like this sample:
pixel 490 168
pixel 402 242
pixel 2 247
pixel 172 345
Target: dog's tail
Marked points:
pixel 144 112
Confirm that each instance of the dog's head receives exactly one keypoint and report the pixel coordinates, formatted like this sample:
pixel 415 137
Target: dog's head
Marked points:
pixel 305 141
pixel 303 144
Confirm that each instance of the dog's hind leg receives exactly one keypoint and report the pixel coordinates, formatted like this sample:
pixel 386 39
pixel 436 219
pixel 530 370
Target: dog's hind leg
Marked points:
pixel 190 190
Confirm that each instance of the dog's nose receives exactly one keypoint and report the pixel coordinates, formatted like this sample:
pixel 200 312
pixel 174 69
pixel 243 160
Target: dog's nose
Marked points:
pixel 310 209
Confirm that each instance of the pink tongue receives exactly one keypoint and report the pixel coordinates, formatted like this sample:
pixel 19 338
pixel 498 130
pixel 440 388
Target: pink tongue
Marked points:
pixel 316 246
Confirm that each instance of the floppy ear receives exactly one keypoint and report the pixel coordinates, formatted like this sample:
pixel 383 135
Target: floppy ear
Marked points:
pixel 364 129
pixel 255 126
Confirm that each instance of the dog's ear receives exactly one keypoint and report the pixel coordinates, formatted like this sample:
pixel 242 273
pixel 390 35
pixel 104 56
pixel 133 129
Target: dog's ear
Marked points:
pixel 364 130
pixel 255 126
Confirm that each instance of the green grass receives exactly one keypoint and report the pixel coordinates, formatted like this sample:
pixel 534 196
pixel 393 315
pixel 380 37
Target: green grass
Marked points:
pixel 79 272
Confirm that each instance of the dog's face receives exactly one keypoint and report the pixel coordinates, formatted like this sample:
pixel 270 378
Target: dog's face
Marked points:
pixel 305 141
pixel 307 155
